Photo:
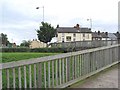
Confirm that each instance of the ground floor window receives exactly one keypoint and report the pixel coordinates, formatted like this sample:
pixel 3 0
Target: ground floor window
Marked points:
pixel 68 38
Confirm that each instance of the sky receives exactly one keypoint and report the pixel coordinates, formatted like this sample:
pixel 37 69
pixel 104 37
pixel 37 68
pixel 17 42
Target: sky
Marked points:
pixel 19 19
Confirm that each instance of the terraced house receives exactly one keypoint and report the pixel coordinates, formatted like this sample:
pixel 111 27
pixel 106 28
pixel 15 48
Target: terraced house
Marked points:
pixel 76 33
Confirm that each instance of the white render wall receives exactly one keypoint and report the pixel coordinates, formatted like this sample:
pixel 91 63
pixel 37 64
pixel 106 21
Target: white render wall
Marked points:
pixel 79 37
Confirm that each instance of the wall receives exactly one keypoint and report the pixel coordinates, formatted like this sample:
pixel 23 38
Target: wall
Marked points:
pixel 37 44
pixel 78 37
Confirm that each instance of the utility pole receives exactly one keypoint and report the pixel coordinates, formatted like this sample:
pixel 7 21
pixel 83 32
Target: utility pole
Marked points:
pixel 43 11
pixel 90 22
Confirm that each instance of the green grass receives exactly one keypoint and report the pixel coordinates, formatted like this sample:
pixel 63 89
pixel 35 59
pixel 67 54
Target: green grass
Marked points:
pixel 10 57
pixel 0 57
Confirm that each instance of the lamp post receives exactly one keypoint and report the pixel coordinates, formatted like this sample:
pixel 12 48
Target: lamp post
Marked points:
pixel 43 11
pixel 90 22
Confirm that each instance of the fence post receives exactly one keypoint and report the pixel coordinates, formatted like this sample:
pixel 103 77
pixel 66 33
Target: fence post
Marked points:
pixel 0 76
pixel 68 69
pixel 119 53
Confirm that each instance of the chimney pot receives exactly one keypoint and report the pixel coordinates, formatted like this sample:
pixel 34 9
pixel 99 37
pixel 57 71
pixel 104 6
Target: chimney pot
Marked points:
pixel 117 32
pixel 106 33
pixel 98 32
pixel 58 26
pixel 77 26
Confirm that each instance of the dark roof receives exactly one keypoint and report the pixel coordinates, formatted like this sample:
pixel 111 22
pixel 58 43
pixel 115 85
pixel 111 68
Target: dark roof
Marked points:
pixel 95 35
pixel 117 35
pixel 101 35
pixel 73 30
pixel 104 35
pixel 112 36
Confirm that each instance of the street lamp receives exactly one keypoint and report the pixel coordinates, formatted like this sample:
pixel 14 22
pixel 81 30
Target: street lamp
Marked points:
pixel 43 11
pixel 90 22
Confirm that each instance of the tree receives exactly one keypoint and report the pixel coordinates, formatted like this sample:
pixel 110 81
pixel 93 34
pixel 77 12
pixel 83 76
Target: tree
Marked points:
pixel 46 32
pixel 25 43
pixel 3 39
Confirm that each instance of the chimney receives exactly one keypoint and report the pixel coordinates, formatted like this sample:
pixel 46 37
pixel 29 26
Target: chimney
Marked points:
pixel 89 29
pixel 58 26
pixel 117 32
pixel 77 26
pixel 106 33
pixel 98 32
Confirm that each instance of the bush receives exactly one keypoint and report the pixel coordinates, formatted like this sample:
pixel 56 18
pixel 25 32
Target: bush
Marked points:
pixel 47 50
pixel 51 50
pixel 14 49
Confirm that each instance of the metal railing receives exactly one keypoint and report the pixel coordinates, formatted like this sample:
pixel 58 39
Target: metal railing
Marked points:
pixel 57 71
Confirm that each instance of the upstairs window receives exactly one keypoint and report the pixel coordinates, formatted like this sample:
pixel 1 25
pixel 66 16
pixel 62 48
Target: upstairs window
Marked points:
pixel 74 35
pixel 83 34
pixel 63 34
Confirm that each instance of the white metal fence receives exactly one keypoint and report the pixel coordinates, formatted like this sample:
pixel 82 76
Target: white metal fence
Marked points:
pixel 57 71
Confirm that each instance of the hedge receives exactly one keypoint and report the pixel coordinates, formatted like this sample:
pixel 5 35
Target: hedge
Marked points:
pixel 61 50
pixel 14 49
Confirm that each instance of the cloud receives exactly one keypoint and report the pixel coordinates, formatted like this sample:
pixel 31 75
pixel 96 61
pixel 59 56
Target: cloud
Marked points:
pixel 20 18
pixel 18 35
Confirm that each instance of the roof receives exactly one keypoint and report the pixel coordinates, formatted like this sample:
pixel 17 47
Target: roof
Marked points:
pixel 104 35
pixel 95 35
pixel 117 35
pixel 112 36
pixel 73 30
pixel 101 35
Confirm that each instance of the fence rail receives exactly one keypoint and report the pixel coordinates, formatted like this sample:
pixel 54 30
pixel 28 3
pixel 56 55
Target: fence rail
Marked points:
pixel 94 43
pixel 57 71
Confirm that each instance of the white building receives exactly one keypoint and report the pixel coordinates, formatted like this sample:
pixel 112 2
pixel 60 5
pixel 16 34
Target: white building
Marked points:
pixel 76 33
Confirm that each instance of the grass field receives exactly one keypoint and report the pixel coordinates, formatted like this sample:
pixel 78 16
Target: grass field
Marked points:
pixel 10 57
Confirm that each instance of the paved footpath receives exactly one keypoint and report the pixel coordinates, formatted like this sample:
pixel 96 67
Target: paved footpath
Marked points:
pixel 105 79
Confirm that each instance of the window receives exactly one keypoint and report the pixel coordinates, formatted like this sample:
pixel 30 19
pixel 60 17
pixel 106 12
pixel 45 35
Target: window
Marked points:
pixel 63 34
pixel 74 35
pixel 68 38
pixel 83 34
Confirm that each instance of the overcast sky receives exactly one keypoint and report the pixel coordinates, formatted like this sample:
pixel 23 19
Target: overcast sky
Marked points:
pixel 20 18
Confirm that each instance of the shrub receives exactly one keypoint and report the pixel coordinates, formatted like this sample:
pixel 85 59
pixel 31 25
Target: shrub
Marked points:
pixel 47 50
pixel 14 49
pixel 59 50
